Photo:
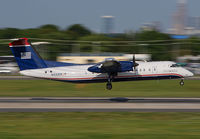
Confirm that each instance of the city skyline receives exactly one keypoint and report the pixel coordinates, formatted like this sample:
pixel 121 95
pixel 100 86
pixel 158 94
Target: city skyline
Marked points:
pixel 129 14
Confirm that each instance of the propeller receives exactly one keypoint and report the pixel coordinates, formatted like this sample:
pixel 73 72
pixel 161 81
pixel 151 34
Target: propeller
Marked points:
pixel 134 63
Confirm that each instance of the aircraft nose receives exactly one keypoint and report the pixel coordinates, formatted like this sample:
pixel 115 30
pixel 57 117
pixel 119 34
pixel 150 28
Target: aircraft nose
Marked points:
pixel 189 74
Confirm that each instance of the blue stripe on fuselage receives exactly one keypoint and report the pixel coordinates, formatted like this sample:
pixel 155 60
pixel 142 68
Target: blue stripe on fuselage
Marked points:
pixel 123 79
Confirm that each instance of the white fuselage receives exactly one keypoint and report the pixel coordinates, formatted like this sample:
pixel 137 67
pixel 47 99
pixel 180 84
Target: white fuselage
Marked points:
pixel 79 73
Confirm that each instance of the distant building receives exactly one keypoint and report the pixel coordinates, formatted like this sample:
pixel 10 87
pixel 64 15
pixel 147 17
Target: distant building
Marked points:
pixel 86 58
pixel 107 24
pixel 151 26
pixel 194 22
pixel 183 25
pixel 179 18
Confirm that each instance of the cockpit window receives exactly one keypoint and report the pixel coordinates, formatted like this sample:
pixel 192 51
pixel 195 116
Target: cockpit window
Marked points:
pixel 175 65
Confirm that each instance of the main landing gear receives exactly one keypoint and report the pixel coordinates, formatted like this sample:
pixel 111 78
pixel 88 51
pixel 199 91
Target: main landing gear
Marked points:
pixel 109 86
pixel 109 83
pixel 181 82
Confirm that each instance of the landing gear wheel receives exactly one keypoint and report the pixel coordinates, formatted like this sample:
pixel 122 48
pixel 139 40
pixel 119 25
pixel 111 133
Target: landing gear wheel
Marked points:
pixel 109 86
pixel 181 83
pixel 109 83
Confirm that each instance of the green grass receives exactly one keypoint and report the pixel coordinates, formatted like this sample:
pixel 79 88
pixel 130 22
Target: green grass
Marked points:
pixel 94 125
pixel 41 88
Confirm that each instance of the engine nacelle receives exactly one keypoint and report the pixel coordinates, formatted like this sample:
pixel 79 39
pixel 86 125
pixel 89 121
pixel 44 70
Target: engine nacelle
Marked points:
pixel 112 67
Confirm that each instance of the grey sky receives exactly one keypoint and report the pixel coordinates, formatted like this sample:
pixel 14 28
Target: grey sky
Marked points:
pixel 129 14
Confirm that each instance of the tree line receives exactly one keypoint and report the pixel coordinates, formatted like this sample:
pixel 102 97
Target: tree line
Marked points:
pixel 78 38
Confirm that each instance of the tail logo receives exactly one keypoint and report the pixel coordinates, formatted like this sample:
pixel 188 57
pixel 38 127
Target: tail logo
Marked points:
pixel 25 55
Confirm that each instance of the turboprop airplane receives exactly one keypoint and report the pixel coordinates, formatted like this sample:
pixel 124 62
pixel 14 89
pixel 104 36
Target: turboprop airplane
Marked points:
pixel 110 70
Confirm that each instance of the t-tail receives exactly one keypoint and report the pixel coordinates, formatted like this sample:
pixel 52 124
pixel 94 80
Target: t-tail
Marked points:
pixel 25 55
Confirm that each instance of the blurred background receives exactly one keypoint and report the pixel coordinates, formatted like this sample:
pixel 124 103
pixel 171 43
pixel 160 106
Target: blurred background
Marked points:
pixel 154 31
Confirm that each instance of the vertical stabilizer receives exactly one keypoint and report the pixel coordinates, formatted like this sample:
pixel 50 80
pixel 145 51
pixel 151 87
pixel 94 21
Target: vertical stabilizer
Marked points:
pixel 25 55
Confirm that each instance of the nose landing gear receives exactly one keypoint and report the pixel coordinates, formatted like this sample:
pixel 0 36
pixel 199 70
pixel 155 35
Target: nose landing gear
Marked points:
pixel 181 82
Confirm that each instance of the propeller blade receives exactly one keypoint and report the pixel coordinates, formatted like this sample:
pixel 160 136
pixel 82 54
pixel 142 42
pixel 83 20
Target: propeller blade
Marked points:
pixel 134 63
pixel 134 58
